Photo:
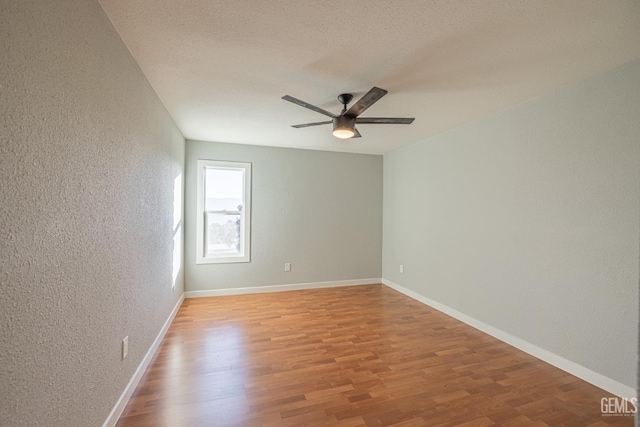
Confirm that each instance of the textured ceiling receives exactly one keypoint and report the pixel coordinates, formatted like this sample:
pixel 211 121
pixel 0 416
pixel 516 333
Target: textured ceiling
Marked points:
pixel 221 67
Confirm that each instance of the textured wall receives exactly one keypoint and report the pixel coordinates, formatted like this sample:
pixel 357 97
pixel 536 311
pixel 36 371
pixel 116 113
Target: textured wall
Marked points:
pixel 321 211
pixel 528 221
pixel 88 162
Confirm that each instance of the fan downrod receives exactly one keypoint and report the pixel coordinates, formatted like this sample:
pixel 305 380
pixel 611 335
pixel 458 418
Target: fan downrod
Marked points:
pixel 345 98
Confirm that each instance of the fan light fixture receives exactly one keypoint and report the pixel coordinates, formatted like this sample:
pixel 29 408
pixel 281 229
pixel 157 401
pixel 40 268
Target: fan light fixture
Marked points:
pixel 344 124
pixel 343 133
pixel 343 127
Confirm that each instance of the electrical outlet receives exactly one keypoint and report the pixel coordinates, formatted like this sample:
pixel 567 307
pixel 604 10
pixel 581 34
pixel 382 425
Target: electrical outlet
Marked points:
pixel 401 268
pixel 125 347
pixel 287 266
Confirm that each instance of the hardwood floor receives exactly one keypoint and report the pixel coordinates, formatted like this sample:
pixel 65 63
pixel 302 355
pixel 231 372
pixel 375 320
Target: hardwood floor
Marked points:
pixel 352 356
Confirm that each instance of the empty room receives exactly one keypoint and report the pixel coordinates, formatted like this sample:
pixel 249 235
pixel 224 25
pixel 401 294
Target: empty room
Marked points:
pixel 319 213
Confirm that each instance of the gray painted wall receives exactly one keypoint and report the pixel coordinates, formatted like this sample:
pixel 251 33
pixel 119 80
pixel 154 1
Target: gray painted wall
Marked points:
pixel 321 211
pixel 528 221
pixel 88 159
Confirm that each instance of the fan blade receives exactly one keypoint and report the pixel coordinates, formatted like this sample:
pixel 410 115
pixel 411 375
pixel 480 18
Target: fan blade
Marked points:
pixel 356 134
pixel 386 120
pixel 366 101
pixel 309 106
pixel 306 125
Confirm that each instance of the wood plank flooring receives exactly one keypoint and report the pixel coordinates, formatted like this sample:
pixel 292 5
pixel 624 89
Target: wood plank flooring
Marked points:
pixel 351 356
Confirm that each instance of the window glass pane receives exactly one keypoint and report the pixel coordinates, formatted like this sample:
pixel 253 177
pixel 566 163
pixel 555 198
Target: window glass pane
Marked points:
pixel 224 189
pixel 223 234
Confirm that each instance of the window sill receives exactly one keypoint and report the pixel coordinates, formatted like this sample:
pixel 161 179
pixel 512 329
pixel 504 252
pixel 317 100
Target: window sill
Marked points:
pixel 223 260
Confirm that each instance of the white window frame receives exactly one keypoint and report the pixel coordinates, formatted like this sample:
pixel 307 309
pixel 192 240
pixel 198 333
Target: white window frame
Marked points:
pixel 245 214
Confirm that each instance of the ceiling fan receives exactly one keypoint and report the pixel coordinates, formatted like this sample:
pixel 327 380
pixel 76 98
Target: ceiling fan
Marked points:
pixel 344 124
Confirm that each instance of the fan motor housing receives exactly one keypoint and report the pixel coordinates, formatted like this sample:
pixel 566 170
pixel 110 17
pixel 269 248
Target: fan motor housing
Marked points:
pixel 344 127
pixel 344 122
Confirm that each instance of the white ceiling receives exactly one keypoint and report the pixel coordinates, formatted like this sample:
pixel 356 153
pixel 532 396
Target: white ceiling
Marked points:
pixel 221 67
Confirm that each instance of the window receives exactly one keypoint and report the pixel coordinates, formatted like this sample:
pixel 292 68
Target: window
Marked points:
pixel 224 212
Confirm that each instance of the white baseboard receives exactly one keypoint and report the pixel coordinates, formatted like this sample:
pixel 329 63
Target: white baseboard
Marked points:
pixel 279 288
pixel 566 365
pixel 113 417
